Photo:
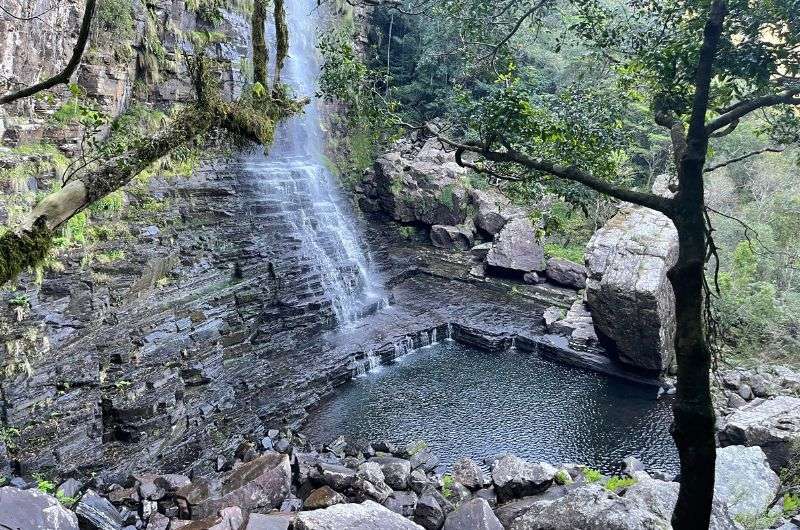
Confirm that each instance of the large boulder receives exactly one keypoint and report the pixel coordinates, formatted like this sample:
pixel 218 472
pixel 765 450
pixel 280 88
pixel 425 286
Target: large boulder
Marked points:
pixel 772 424
pixel 566 273
pixel 368 515
pixel 494 210
pixel 452 237
pixel 97 513
pixel 33 509
pixel 261 484
pixel 744 481
pixel 627 290
pixel 468 473
pixel 590 507
pixel 396 471
pixel 473 515
pixel 514 477
pixel 419 187
pixel 515 249
pixel 659 497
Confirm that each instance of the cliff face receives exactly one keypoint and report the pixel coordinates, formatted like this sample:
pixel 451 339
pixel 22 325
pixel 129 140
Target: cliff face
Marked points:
pixel 135 53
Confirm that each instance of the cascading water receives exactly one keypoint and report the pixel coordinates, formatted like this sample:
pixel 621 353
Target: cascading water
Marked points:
pixel 301 186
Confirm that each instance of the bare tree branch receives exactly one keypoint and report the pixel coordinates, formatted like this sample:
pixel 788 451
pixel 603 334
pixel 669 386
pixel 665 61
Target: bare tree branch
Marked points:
pixel 744 157
pixel 63 76
pixel 787 97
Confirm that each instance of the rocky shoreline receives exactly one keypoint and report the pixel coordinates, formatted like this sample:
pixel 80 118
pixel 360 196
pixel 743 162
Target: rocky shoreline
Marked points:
pixel 282 482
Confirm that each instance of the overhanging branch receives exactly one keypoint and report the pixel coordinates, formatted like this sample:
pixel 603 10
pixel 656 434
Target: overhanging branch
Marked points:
pixel 736 112
pixel 63 76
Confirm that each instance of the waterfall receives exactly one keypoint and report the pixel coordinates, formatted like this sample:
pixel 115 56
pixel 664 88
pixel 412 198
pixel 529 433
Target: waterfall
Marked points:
pixel 302 189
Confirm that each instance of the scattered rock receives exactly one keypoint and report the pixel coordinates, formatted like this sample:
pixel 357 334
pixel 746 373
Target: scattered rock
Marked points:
pixel 396 471
pixel 514 477
pixel 473 515
pixel 452 237
pixel 323 497
pixel 468 473
pixel 97 513
pixel 515 249
pixel 566 273
pixel 278 521
pixel 402 502
pixel 632 465
pixel 429 512
pixel 336 476
pixel 735 401
pixel 773 424
pixel 494 210
pixel 532 278
pixel 32 509
pixel 368 515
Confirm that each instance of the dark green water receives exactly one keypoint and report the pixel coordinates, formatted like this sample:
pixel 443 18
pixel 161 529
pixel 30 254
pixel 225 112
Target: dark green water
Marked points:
pixel 467 402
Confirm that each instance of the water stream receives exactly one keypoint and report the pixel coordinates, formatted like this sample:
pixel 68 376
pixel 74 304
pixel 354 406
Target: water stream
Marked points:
pixel 303 190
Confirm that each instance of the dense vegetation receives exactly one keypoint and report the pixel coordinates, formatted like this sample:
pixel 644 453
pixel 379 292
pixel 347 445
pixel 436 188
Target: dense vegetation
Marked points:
pixel 587 109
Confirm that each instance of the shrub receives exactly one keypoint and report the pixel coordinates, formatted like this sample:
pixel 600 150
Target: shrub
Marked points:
pixel 447 486
pixel 619 483
pixel 591 475
pixel 562 478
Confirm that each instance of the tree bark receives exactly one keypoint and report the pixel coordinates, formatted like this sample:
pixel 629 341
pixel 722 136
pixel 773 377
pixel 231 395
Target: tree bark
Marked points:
pixel 281 42
pixel 693 424
pixel 260 53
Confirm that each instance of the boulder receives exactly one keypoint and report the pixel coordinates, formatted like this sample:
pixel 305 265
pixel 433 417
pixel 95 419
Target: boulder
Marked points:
pixel 368 515
pixel 33 509
pixel 452 237
pixel 514 477
pixel 468 473
pixel 627 262
pixel 230 518
pixel 396 471
pixel 97 513
pixel 480 251
pixel 261 484
pixel 473 515
pixel 336 476
pixel 424 187
pixel 566 273
pixel 429 512
pixel 323 497
pixel 402 502
pixel 744 481
pixel 515 249
pixel 659 497
pixel 772 424
pixel 277 521
pixel 371 482
pixel 494 210
pixel 590 507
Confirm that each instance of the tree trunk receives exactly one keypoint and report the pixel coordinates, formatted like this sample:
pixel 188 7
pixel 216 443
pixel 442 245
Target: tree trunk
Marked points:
pixel 693 425
pixel 260 53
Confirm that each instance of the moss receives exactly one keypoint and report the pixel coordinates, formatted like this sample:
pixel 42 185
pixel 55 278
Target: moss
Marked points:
pixel 446 196
pixel 591 475
pixel 24 250
pixel 619 483
pixel 574 253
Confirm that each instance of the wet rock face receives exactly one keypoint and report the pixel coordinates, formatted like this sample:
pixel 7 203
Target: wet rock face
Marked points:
pixel 773 424
pixel 627 290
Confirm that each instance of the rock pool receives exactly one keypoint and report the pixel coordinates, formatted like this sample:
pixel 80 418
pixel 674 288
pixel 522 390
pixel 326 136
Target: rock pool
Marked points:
pixel 467 402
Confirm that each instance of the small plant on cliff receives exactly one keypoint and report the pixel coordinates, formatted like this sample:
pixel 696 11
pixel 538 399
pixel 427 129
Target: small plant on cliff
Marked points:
pixel 8 436
pixel 42 484
pixel 447 486
pixel 19 300
pixel 562 478
pixel 591 475
pixel 619 483
pixel 791 504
